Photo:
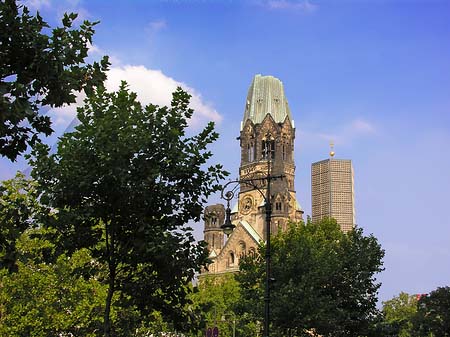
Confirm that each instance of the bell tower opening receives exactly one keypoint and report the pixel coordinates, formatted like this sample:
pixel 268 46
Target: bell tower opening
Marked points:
pixel 268 148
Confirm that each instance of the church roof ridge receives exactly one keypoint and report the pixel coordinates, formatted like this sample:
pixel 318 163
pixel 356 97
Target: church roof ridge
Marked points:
pixel 250 230
pixel 266 96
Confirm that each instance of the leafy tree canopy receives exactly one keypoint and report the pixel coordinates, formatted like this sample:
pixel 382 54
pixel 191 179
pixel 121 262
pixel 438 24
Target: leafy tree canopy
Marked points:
pixel 433 314
pixel 124 185
pixel 39 69
pixel 215 301
pixel 49 299
pixel 399 313
pixel 324 281
pixel 18 211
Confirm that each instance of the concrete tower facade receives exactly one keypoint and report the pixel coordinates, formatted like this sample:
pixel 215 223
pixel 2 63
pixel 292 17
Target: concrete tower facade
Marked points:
pixel 267 146
pixel 332 192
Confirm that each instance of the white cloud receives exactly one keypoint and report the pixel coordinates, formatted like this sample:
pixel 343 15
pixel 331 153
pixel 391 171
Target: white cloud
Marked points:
pixel 303 6
pixel 95 53
pixel 37 4
pixel 151 86
pixel 94 49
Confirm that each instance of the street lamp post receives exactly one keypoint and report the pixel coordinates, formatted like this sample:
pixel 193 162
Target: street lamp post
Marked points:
pixel 224 318
pixel 228 227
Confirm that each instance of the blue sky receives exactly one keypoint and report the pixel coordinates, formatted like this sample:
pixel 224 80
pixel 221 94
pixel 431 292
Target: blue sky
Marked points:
pixel 371 75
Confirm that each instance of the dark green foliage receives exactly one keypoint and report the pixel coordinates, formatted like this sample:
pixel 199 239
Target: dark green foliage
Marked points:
pixel 125 183
pixel 38 69
pixel 324 281
pixel 433 314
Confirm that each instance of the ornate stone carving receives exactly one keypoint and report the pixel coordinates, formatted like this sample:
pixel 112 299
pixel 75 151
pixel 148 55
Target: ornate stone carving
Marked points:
pixel 247 204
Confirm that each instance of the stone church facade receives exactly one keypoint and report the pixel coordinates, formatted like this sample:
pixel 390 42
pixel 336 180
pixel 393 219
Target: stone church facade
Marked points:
pixel 267 145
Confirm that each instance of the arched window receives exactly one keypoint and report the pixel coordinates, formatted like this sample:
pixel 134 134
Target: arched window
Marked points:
pixel 268 149
pixel 250 152
pixel 242 247
pixel 231 259
pixel 252 251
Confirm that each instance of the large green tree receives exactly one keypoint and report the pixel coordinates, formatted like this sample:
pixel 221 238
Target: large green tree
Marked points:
pixel 39 69
pixel 433 314
pixel 124 185
pixel 324 281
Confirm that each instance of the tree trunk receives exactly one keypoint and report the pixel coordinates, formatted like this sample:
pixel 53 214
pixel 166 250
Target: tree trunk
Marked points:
pixel 107 321
pixel 112 277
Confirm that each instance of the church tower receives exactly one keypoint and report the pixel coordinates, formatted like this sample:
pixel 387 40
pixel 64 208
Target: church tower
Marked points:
pixel 267 147
pixel 214 217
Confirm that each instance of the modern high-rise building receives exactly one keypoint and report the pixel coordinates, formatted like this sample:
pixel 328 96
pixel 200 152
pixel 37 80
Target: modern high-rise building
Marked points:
pixel 266 141
pixel 332 191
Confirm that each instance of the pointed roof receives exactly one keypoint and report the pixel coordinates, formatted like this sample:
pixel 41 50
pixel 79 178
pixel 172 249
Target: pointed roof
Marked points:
pixel 266 96
pixel 250 230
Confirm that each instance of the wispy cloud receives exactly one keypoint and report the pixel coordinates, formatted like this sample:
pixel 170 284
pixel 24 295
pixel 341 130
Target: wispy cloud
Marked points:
pixel 37 4
pixel 362 126
pixel 59 7
pixel 154 27
pixel 72 6
pixel 157 25
pixel 342 134
pixel 297 5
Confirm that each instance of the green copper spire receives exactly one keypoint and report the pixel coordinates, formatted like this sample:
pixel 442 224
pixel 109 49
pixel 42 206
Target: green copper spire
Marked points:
pixel 266 96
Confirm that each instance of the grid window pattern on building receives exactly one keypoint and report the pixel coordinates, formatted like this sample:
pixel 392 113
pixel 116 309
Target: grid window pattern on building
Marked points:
pixel 332 192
